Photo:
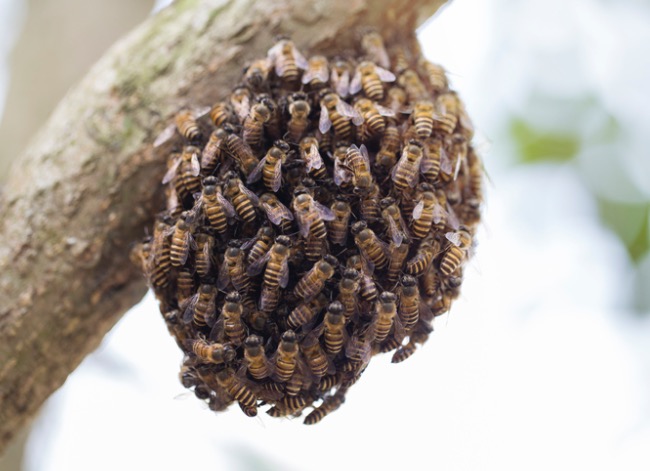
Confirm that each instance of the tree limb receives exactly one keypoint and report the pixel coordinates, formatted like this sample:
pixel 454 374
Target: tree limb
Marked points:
pixel 90 182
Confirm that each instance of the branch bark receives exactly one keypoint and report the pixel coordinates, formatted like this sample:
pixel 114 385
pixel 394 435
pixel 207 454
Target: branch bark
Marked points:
pixel 90 182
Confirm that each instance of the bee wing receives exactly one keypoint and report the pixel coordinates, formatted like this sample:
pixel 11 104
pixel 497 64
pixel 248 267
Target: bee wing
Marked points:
pixel 452 219
pixel 324 122
pixel 165 135
pixel 382 110
pixel 343 84
pixel 355 85
pixel 252 196
pixel 243 108
pixel 384 75
pixel 438 213
pixel 349 111
pixel 308 76
pixel 223 279
pixel 201 111
pixel 256 174
pixel 172 200
pixel 255 268
pixel 188 308
pixel 313 158
pixel 324 212
pixel 301 62
pixel 284 212
pixel 304 224
pixel 459 161
pixel 322 74
pixel 277 176
pixel 453 237
pixel 171 173
pixel 226 205
pixel 364 155
pixel 395 233
pixel 445 162
pixel 417 211
pixel 398 329
pixel 341 174
pixel 284 273
pixel 195 166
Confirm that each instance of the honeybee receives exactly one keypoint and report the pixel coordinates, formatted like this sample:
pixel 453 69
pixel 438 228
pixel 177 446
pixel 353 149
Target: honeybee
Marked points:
pixel 373 45
pixel 393 220
pixel 185 122
pixel 419 335
pixel 306 311
pixel 230 326
pixel 358 350
pixel 243 200
pixel 187 125
pixel 313 282
pixel 289 405
pixel 372 248
pixel 216 207
pixel 317 72
pixel 335 333
pixel 277 269
pixel 409 302
pixel 435 74
pixel 160 255
pixel 239 390
pixel 204 251
pixel 299 110
pixel 185 169
pixel 397 255
pixel 410 81
pixel 340 77
pixel 213 152
pixel 309 152
pixel 276 212
pixel 253 129
pixel 182 241
pixel 200 308
pixel 240 150
pixel 256 74
pixel 338 227
pixel 270 167
pixel 286 357
pixel 222 113
pixel 447 105
pixel 374 118
pixel 423 257
pixel 342 173
pixel 457 151
pixel 260 244
pixel 368 287
pixel 256 361
pixel 337 113
pixel 426 212
pixel 370 77
pixel 216 353
pixel 311 215
pixel 188 377
pixel 423 116
pixel 459 243
pixel 318 362
pixel 389 146
pixel 287 60
pixel 369 204
pixel 357 160
pixel 386 312
pixel 240 100
pixel 232 270
pixel 397 99
pixel 329 405
pixel 184 285
pixel 401 60
pixel 406 172
pixel 433 158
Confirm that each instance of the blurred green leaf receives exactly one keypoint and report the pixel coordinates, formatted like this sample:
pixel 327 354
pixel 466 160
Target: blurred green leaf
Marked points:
pixel 537 145
pixel 630 222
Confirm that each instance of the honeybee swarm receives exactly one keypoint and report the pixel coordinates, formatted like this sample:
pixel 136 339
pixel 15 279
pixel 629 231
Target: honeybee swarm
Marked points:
pixel 320 215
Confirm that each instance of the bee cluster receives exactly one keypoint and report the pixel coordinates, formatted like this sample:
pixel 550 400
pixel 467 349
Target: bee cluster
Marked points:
pixel 321 215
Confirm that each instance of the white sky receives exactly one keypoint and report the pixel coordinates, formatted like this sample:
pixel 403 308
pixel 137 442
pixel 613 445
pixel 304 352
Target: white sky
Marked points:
pixel 536 367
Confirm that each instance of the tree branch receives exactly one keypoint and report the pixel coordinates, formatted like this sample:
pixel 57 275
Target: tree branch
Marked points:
pixel 90 182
